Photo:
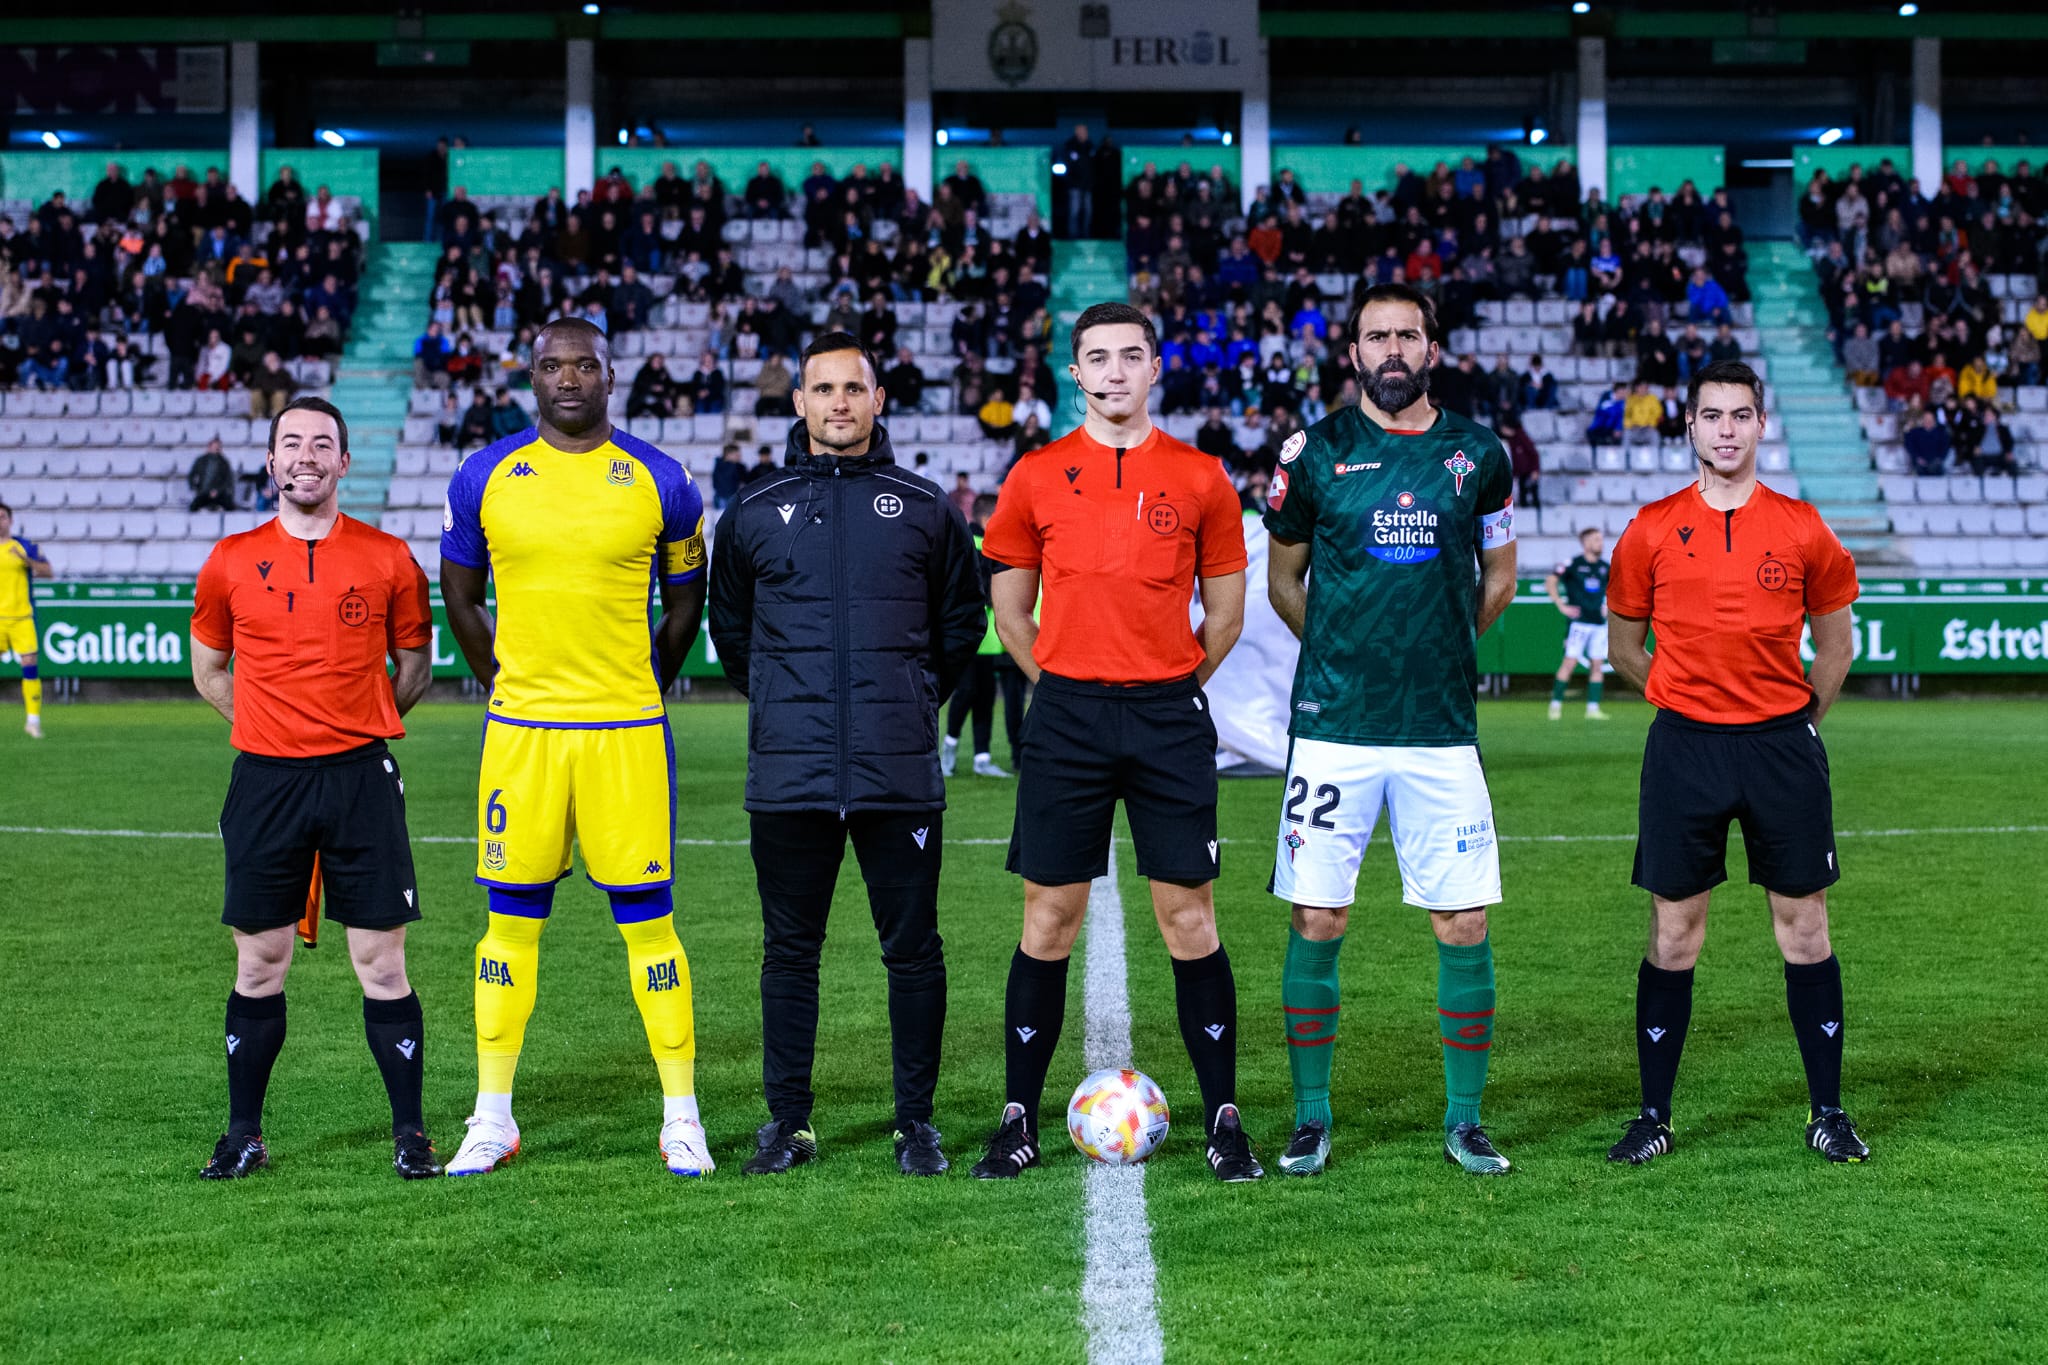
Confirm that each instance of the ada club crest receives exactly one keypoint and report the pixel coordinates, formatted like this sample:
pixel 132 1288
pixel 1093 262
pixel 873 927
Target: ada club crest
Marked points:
pixel 1459 467
pixel 621 473
pixel 494 855
pixel 1013 44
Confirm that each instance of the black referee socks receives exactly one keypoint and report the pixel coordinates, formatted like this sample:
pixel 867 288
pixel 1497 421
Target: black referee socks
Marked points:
pixel 1813 997
pixel 1034 1008
pixel 1205 997
pixel 1663 1010
pixel 399 1045
pixel 255 1035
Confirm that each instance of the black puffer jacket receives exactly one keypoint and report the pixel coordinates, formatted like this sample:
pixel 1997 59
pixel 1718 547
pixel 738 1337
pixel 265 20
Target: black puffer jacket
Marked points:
pixel 844 604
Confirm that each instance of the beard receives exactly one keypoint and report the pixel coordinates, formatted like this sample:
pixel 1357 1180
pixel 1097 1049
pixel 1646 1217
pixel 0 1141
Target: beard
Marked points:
pixel 1393 387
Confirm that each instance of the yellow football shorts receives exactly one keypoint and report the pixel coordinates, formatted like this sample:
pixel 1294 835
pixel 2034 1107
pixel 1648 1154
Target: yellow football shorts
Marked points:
pixel 541 790
pixel 18 635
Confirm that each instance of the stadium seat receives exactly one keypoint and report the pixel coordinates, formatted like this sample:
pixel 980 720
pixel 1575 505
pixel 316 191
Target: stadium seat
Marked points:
pixel 1908 519
pixel 1965 488
pixel 120 560
pixel 146 403
pixel 82 561
pixel 179 403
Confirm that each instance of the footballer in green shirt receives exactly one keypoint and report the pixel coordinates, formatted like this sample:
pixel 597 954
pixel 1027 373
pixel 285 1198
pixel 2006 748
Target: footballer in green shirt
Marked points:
pixel 1578 589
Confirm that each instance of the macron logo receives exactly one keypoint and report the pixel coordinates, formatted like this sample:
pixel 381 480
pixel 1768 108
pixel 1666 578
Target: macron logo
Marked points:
pixel 1024 1035
pixel 1212 850
pixel 919 835
pixel 1656 1034
pixel 406 1047
pixel 1831 1029
pixel 408 897
pixel 233 1043
pixel 1215 1032
pixel 788 510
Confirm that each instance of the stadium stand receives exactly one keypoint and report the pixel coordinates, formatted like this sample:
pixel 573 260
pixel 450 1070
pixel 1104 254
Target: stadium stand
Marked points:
pixel 1550 308
pixel 114 316
pixel 1936 312
pixel 951 297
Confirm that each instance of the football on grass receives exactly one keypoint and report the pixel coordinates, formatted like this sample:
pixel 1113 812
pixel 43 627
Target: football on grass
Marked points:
pixel 1118 1117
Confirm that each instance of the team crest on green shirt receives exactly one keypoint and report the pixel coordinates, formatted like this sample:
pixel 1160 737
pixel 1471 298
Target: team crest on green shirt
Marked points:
pixel 622 473
pixel 1459 467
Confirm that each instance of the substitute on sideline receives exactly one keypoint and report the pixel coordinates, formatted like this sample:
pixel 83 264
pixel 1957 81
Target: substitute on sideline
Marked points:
pixel 1726 572
pixel 309 606
pixel 1405 512
pixel 1123 524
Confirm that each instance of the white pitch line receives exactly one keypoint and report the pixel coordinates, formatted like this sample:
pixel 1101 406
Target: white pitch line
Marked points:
pixel 1119 1283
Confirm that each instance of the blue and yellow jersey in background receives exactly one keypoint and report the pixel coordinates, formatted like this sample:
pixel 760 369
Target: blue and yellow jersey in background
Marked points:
pixel 15 572
pixel 576 543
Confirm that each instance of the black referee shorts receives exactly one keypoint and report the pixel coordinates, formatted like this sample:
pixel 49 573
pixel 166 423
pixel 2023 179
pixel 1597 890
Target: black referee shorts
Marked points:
pixel 348 808
pixel 1772 777
pixel 1084 746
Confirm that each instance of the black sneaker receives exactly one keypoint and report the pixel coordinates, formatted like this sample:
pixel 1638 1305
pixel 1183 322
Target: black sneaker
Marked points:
pixel 779 1145
pixel 1832 1135
pixel 1011 1149
pixel 918 1152
pixel 1646 1138
pixel 1230 1151
pixel 412 1156
pixel 235 1157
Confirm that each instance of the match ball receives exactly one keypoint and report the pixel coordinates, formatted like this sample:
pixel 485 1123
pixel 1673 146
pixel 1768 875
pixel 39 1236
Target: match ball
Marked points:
pixel 1118 1117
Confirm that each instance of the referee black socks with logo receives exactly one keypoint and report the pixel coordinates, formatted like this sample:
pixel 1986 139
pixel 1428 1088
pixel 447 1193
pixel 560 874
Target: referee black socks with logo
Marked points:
pixel 1034 1008
pixel 1205 997
pixel 1663 1010
pixel 255 1035
pixel 1813 997
pixel 397 1041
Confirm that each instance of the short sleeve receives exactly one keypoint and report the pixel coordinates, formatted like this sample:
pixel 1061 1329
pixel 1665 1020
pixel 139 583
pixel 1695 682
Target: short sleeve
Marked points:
pixel 213 618
pixel 1219 546
pixel 31 549
pixel 410 621
pixel 1012 536
pixel 1495 498
pixel 682 529
pixel 1290 497
pixel 1630 591
pixel 1830 572
pixel 462 515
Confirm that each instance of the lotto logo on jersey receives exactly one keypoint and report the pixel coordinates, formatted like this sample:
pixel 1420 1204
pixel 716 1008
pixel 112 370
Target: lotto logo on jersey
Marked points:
pixel 663 976
pixel 1401 531
pixel 1276 492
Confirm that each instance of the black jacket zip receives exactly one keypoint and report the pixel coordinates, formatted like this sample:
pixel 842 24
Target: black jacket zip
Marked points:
pixel 842 666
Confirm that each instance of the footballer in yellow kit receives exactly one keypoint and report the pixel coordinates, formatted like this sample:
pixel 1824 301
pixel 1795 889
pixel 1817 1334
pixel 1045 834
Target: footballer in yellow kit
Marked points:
pixel 578 524
pixel 21 561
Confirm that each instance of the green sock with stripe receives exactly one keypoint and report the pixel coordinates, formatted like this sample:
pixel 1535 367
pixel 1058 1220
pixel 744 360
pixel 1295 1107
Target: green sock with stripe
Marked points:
pixel 1464 1009
pixel 1308 994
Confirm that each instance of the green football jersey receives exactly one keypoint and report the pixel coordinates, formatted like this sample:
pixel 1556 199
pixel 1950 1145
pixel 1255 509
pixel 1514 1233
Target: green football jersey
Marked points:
pixel 1395 523
pixel 1583 583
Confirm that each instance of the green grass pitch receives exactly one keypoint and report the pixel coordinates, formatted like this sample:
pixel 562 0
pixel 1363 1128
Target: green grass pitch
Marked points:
pixel 1740 1245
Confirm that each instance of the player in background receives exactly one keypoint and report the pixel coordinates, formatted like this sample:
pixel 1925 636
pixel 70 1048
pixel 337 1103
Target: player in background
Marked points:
pixel 991 671
pixel 574 520
pixel 1392 526
pixel 21 561
pixel 308 608
pixel 1578 589
pixel 1123 525
pixel 1726 573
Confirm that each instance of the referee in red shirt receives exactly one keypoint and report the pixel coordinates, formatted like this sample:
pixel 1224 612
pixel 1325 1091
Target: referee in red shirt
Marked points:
pixel 1122 525
pixel 1727 572
pixel 309 607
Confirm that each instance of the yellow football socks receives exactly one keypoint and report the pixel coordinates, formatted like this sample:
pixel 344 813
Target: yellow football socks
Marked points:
pixel 661 987
pixel 507 982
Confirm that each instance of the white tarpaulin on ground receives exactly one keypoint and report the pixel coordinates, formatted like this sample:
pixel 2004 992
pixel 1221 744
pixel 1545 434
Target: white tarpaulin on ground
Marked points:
pixel 1248 696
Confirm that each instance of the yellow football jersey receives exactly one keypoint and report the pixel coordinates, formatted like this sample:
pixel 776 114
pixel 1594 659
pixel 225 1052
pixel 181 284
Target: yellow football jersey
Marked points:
pixel 15 555
pixel 576 543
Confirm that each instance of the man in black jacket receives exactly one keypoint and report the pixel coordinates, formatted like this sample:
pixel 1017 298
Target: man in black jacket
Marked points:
pixel 845 604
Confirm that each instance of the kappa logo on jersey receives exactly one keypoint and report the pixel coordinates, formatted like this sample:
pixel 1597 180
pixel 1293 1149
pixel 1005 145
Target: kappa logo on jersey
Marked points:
pixel 788 510
pixel 662 976
pixel 1459 467
pixel 654 867
pixel 492 972
pixel 888 505
pixel 621 474
pixel 1276 493
pixel 523 470
pixel 921 835
pixel 494 855
pixel 1293 447
pixel 1400 531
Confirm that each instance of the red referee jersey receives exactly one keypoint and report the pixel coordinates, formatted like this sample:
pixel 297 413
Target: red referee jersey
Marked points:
pixel 311 624
pixel 1119 537
pixel 1727 595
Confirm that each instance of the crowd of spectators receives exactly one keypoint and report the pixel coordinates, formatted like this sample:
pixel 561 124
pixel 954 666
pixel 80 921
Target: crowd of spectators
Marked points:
pixel 621 256
pixel 232 290
pixel 1251 330
pixel 1906 280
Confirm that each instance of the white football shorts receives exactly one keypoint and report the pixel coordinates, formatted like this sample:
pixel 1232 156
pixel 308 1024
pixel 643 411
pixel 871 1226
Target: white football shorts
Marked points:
pixel 1437 806
pixel 1584 642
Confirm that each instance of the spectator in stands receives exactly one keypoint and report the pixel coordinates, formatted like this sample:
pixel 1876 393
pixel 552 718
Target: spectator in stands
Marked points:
pixel 47 366
pixel 726 477
pixel 113 198
pixel 1994 453
pixel 430 359
pixel 1528 466
pixel 1860 357
pixel 1214 437
pixel 632 302
pixel 323 334
pixel 124 367
pixel 2023 357
pixel 764 465
pixel 1589 335
pixel 962 495
pixel 1077 154
pixel 904 383
pixel 215 369
pixel 1641 415
pixel 324 213
pixel 706 387
pixel 1941 380
pixel 1539 387
pixel 465 363
pixel 1605 428
pixel 212 480
pixel 1927 445
pixel 1906 386
pixel 1706 299
pixel 654 392
pixel 507 417
pixel 1618 333
pixel 1028 406
pixel 1501 390
pixel 271 387
pixel 1978 381
pixel 773 384
pixel 286 197
pixel 997 415
pixel 1656 356
pixel 448 424
pixel 1725 345
pixel 474 431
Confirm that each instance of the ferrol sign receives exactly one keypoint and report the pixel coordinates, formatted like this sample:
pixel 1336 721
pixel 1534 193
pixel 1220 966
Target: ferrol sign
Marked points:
pixel 1089 45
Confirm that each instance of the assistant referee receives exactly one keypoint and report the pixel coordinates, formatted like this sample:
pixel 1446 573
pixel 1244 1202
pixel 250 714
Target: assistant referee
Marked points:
pixel 308 607
pixel 1727 571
